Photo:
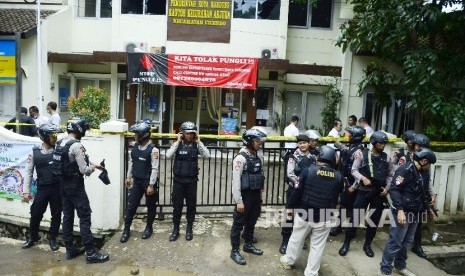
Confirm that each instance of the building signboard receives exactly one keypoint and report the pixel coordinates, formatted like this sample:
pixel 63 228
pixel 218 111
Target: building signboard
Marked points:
pixel 199 20
pixel 7 62
pixel 193 70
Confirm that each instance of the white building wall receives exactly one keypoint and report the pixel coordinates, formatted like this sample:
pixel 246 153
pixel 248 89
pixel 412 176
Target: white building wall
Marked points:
pixel 106 201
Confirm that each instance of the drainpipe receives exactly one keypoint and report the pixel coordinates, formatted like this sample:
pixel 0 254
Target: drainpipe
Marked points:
pixel 19 78
pixel 39 61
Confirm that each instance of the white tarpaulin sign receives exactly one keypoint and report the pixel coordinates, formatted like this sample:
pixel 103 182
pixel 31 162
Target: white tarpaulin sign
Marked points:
pixel 13 159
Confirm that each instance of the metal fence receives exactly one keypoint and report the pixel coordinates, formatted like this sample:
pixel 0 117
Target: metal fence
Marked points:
pixel 215 178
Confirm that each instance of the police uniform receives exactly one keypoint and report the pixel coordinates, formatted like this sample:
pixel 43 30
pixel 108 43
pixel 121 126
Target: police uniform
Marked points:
pixel 247 184
pixel 185 172
pixel 406 194
pixel 48 190
pixel 73 193
pixel 315 193
pixel 378 168
pixel 296 164
pixel 143 169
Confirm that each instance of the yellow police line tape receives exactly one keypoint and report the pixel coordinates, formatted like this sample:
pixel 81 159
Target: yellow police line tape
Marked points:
pixel 268 139
pixel 277 138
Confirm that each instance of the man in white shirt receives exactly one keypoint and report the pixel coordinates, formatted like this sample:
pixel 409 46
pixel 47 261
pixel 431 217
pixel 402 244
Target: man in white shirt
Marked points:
pixel 363 122
pixel 337 127
pixel 54 116
pixel 38 119
pixel 292 130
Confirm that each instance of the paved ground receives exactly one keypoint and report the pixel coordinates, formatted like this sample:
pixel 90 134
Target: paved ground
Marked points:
pixel 206 254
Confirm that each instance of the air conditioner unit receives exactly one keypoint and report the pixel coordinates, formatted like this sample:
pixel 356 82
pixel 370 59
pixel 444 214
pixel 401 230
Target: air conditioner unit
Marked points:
pixel 134 47
pixel 157 50
pixel 269 53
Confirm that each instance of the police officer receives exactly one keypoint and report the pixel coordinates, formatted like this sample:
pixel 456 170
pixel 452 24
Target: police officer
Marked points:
pixel 48 186
pixel 74 165
pixel 315 196
pixel 185 171
pixel 142 176
pixel 404 155
pixel 419 142
pixel 247 184
pixel 347 197
pixel 373 173
pixel 408 193
pixel 299 161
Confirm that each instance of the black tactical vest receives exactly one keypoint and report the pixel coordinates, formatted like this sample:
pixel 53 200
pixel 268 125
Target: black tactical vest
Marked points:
pixel 252 178
pixel 61 160
pixel 321 187
pixel 302 162
pixel 413 197
pixel 45 168
pixel 186 161
pixel 347 160
pixel 380 168
pixel 142 161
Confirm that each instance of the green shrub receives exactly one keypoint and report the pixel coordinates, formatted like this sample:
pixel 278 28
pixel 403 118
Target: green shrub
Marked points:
pixel 92 104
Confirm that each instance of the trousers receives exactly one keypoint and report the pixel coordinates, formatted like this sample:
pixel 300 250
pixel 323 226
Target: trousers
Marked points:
pixel 138 190
pixel 74 197
pixel 48 194
pixel 181 191
pixel 318 235
pixel 246 221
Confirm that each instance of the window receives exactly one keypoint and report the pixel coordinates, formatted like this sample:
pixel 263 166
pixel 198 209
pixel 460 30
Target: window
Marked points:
pixel 7 101
pixel 307 105
pixel 83 83
pixel 257 9
pixel 92 8
pixel 305 15
pixel 143 7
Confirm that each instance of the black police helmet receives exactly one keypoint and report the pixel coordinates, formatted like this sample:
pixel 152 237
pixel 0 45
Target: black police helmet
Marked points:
pixel 421 139
pixel 188 127
pixel 142 130
pixel 79 127
pixel 378 137
pixel 357 134
pixel 251 134
pixel 46 130
pixel 327 155
pixel 425 153
pixel 408 135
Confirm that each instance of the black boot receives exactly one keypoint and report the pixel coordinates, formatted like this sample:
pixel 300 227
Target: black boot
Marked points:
pixel 93 256
pixel 147 232
pixel 30 242
pixel 236 256
pixel 335 231
pixel 73 252
pixel 125 236
pixel 175 234
pixel 368 251
pixel 53 244
pixel 283 247
pixel 189 233
pixel 345 248
pixel 250 248
pixel 417 249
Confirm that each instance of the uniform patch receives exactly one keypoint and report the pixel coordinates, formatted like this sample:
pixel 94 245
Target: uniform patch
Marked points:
pixel 83 149
pixel 358 155
pixel 399 180
pixel 291 161
pixel 155 155
pixel 238 166
pixel 29 158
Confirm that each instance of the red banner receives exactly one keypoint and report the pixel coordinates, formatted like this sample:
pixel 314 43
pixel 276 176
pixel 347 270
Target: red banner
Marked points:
pixel 192 70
